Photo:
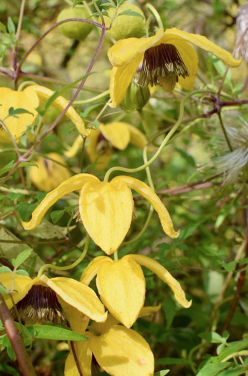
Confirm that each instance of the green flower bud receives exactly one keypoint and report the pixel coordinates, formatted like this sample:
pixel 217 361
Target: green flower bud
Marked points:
pixel 135 97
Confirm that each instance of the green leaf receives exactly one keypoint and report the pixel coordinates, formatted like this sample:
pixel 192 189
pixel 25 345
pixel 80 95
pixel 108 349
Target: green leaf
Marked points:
pixel 21 258
pixel 11 26
pixel 3 27
pixel 130 12
pixel 3 290
pixel 6 344
pixel 55 332
pixel 228 266
pixel 49 231
pixel 162 373
pixel 239 370
pixel 108 5
pixel 7 369
pixel 5 269
pixel 211 369
pixel 187 231
pixel 18 111
pixel 169 308
pixel 212 337
pixel 119 2
pixel 96 124
pixel 56 215
pixel 174 361
pixel 22 272
pixel 232 348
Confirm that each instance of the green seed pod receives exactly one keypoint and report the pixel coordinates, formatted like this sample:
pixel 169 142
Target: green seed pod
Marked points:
pixel 135 97
pixel 74 30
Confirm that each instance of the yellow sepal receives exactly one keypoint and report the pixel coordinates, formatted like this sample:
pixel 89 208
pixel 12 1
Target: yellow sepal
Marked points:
pixel 91 271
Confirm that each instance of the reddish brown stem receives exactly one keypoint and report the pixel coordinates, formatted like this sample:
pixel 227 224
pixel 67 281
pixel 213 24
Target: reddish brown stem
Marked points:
pixel 15 340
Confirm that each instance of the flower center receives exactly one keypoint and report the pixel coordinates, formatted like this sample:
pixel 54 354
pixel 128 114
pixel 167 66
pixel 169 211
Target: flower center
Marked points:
pixel 102 144
pixel 161 66
pixel 39 306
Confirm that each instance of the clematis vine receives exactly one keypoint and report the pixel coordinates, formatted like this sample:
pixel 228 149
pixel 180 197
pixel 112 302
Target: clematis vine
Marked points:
pixel 118 350
pixel 105 207
pixel 121 284
pixel 102 142
pixel 58 300
pixel 165 58
pixel 29 99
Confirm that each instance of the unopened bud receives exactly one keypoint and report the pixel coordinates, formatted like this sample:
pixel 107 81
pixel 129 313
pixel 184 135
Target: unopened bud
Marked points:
pixel 136 97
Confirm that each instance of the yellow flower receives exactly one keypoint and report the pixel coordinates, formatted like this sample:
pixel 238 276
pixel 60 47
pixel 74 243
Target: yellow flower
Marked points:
pixel 105 208
pixel 121 284
pixel 166 58
pixel 58 299
pixel 103 141
pixel 29 99
pixel 49 174
pixel 117 350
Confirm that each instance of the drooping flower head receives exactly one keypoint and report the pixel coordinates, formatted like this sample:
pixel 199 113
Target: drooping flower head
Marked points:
pixel 165 58
pixel 105 207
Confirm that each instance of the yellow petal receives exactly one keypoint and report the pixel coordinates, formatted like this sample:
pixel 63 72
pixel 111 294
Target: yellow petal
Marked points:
pixel 154 200
pixel 126 50
pixel 106 212
pixel 147 311
pixel 84 356
pixel 77 295
pixel 121 286
pixel 27 100
pixel 122 352
pixel 117 134
pixel 60 103
pixel 137 138
pixel 78 321
pixel 91 271
pixel 102 157
pixel 163 274
pixel 48 175
pixel 103 327
pixel 22 285
pixel 120 78
pixel 202 42
pixel 72 184
pixel 77 144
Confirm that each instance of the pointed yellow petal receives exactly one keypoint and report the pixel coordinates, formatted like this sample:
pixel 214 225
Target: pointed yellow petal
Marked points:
pixel 147 311
pixel 60 103
pixel 94 146
pixel 27 100
pixel 202 42
pixel 121 286
pixel 49 174
pixel 22 285
pixel 78 321
pixel 77 295
pixel 103 327
pixel 77 144
pixel 106 212
pixel 84 356
pixel 122 352
pixel 137 138
pixel 117 134
pixel 72 184
pixel 120 78
pixel 126 50
pixel 154 200
pixel 163 274
pixel 91 271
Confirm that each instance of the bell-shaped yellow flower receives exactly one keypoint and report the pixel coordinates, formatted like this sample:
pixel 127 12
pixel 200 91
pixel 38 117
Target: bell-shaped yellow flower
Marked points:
pixel 49 174
pixel 101 143
pixel 105 207
pixel 166 58
pixel 58 299
pixel 117 350
pixel 121 284
pixel 29 99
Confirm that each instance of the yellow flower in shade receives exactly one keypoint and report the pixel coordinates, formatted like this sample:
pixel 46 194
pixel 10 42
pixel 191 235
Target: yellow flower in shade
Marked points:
pixel 105 207
pixel 166 58
pixel 49 174
pixel 60 299
pixel 29 99
pixel 101 143
pixel 121 284
pixel 118 351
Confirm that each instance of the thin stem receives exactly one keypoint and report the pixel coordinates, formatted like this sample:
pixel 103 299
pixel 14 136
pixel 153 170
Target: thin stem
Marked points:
pixel 156 15
pixel 93 99
pixel 116 258
pixel 224 132
pixel 68 267
pixel 20 20
pixel 74 353
pixel 144 123
pixel 166 139
pixel 15 340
